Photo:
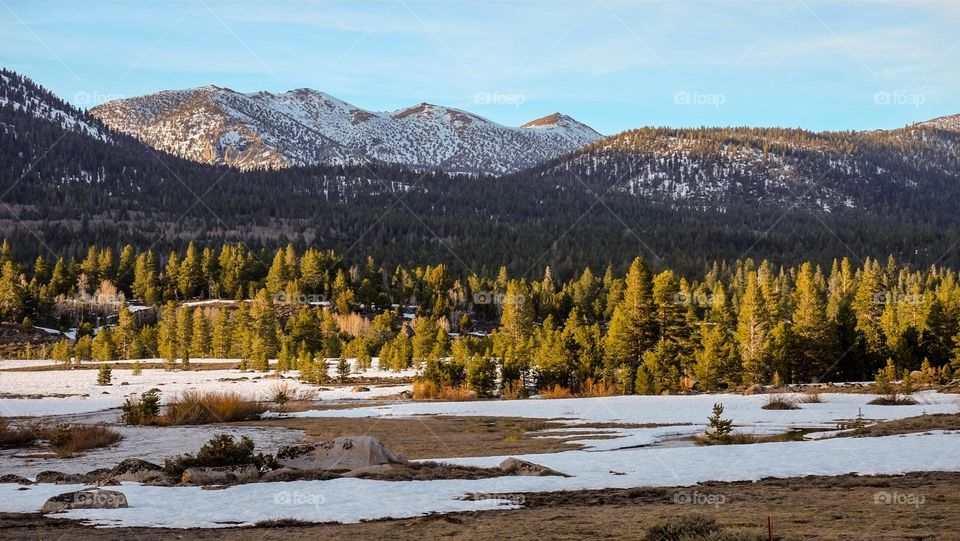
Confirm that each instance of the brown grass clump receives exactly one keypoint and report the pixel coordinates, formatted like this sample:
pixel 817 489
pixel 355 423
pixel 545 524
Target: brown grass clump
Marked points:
pixel 11 436
pixel 202 408
pixel 429 390
pixel 780 402
pixel 556 392
pixel 896 400
pixel 591 389
pixel 69 440
pixel 811 398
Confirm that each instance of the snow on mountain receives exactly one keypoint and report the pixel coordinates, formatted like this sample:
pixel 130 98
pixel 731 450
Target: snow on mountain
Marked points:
pixel 305 127
pixel 20 94
pixel 946 123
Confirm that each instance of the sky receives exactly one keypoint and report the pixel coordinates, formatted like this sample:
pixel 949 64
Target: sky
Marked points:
pixel 612 64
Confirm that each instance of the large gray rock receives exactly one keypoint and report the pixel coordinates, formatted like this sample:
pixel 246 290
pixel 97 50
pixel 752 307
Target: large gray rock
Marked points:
pixel 338 454
pixel 223 475
pixel 137 471
pixel 91 498
pixel 515 466
pixel 61 478
pixel 14 479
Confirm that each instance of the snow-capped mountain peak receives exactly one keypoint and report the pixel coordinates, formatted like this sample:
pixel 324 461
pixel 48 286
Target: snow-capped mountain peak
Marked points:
pixel 305 126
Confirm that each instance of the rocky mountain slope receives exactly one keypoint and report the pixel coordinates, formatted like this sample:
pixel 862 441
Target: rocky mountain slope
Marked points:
pixel 306 127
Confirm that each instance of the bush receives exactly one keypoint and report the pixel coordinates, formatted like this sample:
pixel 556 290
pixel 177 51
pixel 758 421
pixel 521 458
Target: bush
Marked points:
pixel 780 402
pixel 424 389
pixel 811 398
pixel 202 408
pixel 221 450
pixel 590 389
pixel 556 392
pixel 680 528
pixel 69 440
pixel 283 393
pixel 144 410
pixel 15 436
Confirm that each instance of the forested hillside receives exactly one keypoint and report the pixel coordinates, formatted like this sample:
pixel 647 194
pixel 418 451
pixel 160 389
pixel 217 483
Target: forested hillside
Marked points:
pixel 643 331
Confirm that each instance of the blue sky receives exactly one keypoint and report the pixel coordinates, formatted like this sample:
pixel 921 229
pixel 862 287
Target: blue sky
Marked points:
pixel 614 64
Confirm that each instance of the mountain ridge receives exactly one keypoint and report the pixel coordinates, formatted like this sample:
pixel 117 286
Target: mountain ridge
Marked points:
pixel 303 126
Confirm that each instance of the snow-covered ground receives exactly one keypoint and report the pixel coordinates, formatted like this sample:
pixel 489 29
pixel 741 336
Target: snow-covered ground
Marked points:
pixel 633 457
pixel 86 396
pixel 352 500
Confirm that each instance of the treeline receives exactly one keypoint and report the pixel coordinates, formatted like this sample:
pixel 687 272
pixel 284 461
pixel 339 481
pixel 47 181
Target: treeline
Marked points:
pixel 646 332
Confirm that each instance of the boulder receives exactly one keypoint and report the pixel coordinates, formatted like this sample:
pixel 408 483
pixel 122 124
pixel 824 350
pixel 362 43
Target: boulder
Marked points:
pixel 406 395
pixel 137 471
pixel 11 479
pixel 338 454
pixel 90 498
pixel 223 475
pixel 756 388
pixel 60 478
pixel 361 389
pixel 515 466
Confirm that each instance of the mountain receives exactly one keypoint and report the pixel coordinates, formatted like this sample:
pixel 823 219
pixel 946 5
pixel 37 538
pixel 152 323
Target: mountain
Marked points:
pixel 680 198
pixel 902 172
pixel 946 123
pixel 306 127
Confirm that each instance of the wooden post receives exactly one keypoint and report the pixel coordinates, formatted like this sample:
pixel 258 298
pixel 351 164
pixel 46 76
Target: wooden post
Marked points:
pixel 769 528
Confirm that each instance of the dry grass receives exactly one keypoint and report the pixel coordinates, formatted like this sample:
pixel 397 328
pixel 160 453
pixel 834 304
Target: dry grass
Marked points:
pixel 11 436
pixel 910 425
pixel 76 439
pixel 589 389
pixel 556 392
pixel 892 400
pixel 811 398
pixel 428 390
pixel 283 393
pixel 202 408
pixel 780 402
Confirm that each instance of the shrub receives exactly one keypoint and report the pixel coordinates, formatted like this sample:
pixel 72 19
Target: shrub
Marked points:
pixel 424 389
pixel 68 441
pixel 591 388
pixel 556 392
pixel 283 393
pixel 811 398
pixel 681 528
pixel 15 436
pixel 104 375
pixel 221 450
pixel 144 410
pixel 780 402
pixel 201 408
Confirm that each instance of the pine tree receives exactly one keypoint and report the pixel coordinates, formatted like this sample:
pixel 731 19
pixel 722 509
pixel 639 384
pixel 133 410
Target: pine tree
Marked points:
pixel 813 348
pixel 104 375
pixel 632 330
pixel 719 430
pixel 200 340
pixel 167 335
pixel 184 335
pixel 753 334
pixel 343 369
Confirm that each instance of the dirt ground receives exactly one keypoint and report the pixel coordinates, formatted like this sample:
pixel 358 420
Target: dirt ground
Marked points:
pixel 437 436
pixel 919 506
